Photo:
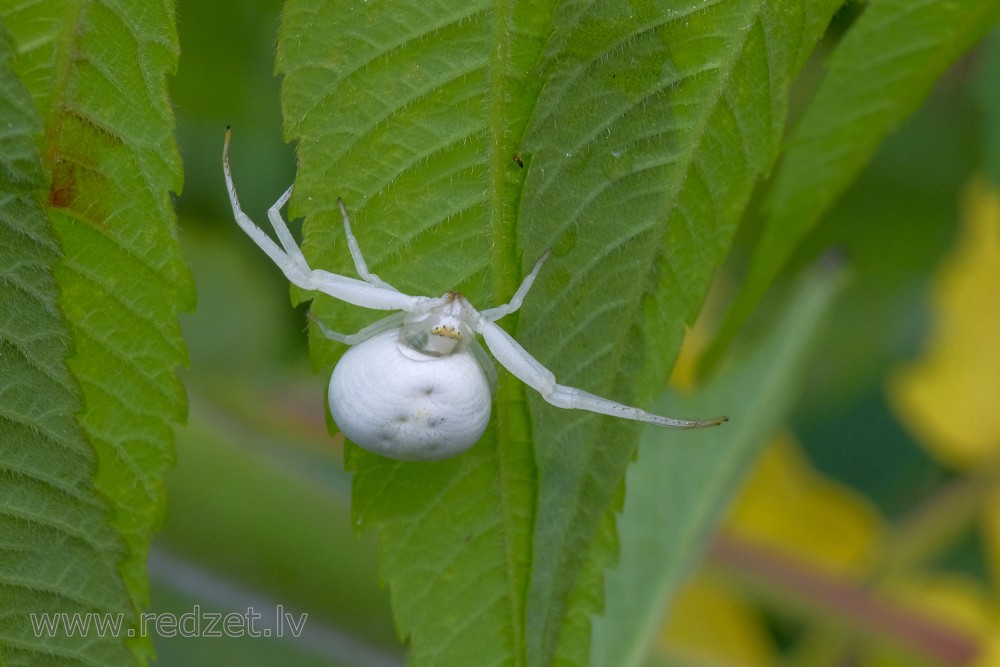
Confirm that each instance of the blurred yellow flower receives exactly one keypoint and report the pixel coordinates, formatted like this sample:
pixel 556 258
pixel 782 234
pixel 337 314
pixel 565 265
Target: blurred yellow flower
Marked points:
pixel 710 624
pixel 788 506
pixel 950 398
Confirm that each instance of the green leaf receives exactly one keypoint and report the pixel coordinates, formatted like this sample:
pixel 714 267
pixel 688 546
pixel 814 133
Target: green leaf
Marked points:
pixel 877 76
pixel 642 130
pixel 681 483
pixel 669 116
pixel 97 74
pixel 59 552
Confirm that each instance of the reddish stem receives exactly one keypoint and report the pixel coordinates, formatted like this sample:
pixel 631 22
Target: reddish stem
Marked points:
pixel 846 599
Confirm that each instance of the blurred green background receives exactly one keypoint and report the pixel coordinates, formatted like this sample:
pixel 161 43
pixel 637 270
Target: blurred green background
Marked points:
pixel 259 509
pixel 259 505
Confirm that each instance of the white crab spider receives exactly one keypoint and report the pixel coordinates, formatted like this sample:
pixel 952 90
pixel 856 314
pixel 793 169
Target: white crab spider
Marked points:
pixel 416 385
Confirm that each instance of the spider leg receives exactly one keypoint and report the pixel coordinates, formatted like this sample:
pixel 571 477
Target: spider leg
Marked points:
pixel 390 322
pixel 494 314
pixel 281 228
pixel 359 261
pixel 293 271
pixel 295 268
pixel 531 372
pixel 487 364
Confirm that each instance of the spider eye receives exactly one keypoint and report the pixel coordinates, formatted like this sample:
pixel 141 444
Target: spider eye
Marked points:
pixel 437 334
pixel 447 331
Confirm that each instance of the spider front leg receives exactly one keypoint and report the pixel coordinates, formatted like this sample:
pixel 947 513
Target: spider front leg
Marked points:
pixel 295 270
pixel 293 264
pixel 494 314
pixel 531 372
pixel 359 261
pixel 281 229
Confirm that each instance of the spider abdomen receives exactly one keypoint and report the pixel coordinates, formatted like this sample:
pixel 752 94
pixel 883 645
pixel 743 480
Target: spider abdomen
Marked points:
pixel 405 404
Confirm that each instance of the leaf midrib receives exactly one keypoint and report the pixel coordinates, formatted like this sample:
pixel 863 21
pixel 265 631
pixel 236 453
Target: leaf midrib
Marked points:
pixel 507 262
